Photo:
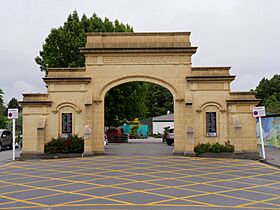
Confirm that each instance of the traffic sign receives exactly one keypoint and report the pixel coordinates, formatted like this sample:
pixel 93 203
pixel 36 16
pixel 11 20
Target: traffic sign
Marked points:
pixel 12 113
pixel 259 111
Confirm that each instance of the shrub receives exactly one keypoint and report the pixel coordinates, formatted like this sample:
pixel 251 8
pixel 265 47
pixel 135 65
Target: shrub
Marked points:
pixel 135 124
pixel 71 144
pixel 229 147
pixel 213 148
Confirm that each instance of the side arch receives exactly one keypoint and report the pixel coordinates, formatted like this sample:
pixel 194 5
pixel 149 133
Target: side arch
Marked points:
pixel 67 104
pixel 211 103
pixel 139 78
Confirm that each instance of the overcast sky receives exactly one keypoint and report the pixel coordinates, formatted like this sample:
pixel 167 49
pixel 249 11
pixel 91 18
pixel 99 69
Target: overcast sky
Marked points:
pixel 243 34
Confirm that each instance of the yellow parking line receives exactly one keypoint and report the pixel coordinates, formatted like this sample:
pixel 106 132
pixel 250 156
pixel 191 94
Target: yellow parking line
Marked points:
pixel 216 193
pixel 23 201
pixel 154 169
pixel 66 192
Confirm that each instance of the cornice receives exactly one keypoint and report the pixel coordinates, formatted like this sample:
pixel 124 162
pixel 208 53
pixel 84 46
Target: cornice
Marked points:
pixel 67 79
pixel 211 78
pixel 42 103
pixel 87 50
pixel 243 101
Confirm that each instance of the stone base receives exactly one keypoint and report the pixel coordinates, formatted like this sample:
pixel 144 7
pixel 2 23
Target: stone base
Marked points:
pixel 88 154
pixel 189 154
pixel 99 153
pixel 251 155
pixel 29 155
pixel 178 153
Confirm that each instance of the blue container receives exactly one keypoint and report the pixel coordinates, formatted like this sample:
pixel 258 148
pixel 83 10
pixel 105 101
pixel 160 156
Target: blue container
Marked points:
pixel 142 131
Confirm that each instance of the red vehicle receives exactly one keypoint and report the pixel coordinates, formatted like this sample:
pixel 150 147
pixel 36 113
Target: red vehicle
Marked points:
pixel 116 135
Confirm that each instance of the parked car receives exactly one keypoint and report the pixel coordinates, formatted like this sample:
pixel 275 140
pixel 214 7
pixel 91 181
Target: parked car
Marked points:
pixel 6 139
pixel 170 136
pixel 105 140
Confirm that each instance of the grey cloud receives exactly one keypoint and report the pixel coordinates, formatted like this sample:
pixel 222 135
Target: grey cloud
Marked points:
pixel 241 33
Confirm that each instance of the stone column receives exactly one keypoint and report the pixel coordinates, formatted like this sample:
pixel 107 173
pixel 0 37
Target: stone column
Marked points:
pixel 179 128
pixel 98 127
pixel 189 131
pixel 88 132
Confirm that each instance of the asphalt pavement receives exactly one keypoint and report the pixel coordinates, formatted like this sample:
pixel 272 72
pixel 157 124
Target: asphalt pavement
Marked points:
pixel 6 154
pixel 139 182
pixel 142 174
pixel 272 155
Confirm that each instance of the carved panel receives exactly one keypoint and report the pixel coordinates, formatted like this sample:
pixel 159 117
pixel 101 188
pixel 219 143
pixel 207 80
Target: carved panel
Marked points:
pixel 133 60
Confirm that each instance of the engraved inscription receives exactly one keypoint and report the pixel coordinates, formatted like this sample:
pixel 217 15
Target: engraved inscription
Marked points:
pixel 211 124
pixel 145 59
pixel 66 123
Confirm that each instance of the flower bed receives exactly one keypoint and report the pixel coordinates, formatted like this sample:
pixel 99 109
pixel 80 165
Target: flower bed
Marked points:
pixel 71 144
pixel 201 148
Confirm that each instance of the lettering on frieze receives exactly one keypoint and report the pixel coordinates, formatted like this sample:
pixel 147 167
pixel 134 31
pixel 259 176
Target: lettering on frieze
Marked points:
pixel 144 59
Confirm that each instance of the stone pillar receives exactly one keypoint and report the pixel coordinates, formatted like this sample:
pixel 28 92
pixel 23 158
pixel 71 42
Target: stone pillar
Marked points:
pixel 40 140
pixel 189 131
pixel 98 127
pixel 88 132
pixel 189 147
pixel 33 136
pixel 179 128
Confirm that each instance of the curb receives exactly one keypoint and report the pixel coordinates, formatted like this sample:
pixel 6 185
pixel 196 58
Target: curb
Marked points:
pixel 269 163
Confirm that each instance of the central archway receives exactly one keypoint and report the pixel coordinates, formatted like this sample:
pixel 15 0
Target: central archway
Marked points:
pixel 139 78
pixel 98 145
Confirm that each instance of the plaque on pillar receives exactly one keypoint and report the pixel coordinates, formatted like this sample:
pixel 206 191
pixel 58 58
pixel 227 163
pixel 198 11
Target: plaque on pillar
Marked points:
pixel 67 123
pixel 211 124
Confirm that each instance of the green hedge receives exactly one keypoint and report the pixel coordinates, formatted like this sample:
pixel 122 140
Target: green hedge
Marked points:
pixel 213 148
pixel 71 144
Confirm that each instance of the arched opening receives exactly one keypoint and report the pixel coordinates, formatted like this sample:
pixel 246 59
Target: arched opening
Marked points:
pixel 136 114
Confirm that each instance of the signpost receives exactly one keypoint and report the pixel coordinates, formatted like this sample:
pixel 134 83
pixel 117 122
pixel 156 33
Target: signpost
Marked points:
pixel 13 114
pixel 260 112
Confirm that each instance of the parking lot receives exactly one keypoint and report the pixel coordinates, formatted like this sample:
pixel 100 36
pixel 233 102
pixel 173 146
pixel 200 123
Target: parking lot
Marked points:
pixel 139 182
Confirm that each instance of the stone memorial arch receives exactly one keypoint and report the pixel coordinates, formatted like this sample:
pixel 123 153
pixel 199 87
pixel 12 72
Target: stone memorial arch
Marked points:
pixel 205 110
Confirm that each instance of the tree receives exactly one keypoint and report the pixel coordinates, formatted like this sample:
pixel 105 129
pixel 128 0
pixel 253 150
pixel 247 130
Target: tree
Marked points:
pixel 159 100
pixel 13 103
pixel 61 47
pixel 269 93
pixel 136 100
pixel 125 102
pixel 2 107
pixel 3 118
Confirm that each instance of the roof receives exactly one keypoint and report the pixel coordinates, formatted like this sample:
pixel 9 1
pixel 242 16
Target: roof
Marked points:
pixel 164 118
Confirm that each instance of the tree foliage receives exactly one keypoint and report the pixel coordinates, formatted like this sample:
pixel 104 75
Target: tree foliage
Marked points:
pixel 159 100
pixel 3 118
pixel 61 47
pixel 125 102
pixel 136 100
pixel 13 103
pixel 269 93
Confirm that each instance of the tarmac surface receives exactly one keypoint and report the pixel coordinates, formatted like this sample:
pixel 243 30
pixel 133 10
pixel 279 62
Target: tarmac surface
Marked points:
pixel 272 155
pixel 130 177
